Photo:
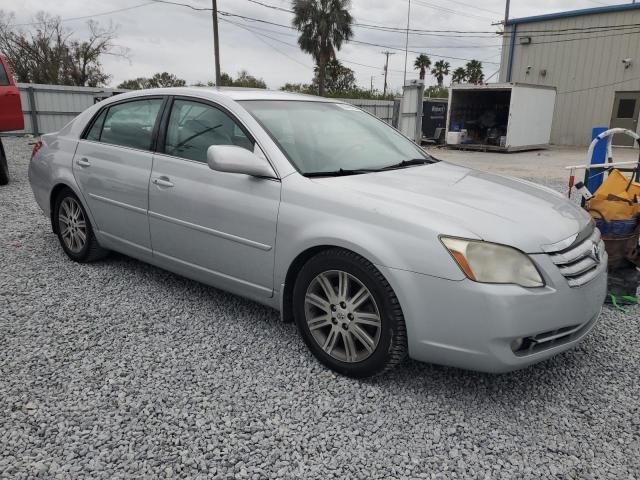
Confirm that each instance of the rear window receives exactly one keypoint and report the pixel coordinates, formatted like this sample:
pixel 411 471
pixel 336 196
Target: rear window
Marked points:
pixel 4 78
pixel 128 124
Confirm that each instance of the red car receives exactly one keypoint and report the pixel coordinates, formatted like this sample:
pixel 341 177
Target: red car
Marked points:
pixel 10 112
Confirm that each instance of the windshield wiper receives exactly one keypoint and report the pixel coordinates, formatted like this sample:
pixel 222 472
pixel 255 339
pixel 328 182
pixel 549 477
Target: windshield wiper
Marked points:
pixel 408 163
pixel 358 171
pixel 342 172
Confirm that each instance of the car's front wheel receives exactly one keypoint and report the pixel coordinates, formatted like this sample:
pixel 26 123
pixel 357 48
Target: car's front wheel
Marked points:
pixel 74 229
pixel 348 314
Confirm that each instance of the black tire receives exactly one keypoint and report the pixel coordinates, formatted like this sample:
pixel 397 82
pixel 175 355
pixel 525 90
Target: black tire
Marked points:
pixel 4 167
pixel 90 251
pixel 391 348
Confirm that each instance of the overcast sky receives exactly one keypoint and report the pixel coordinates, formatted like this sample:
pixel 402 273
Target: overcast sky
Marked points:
pixel 176 39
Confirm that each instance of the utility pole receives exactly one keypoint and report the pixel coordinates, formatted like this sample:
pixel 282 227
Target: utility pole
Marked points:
pixel 506 12
pixel 386 70
pixel 216 47
pixel 406 45
pixel 371 84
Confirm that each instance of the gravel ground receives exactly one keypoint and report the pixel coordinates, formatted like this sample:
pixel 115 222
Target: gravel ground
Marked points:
pixel 119 369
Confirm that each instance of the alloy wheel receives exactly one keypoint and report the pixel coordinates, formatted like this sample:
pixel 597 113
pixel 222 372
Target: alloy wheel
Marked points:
pixel 342 316
pixel 72 224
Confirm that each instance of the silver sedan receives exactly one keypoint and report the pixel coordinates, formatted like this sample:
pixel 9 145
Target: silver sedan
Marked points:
pixel 311 206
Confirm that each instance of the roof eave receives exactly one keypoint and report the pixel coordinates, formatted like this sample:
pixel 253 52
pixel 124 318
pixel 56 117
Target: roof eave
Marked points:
pixel 574 13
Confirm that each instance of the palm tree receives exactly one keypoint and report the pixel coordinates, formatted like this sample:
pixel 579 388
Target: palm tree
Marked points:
pixel 474 71
pixel 459 75
pixel 422 63
pixel 440 70
pixel 324 25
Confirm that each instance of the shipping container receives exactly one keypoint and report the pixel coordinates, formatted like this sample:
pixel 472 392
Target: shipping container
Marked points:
pixel 503 116
pixel 434 117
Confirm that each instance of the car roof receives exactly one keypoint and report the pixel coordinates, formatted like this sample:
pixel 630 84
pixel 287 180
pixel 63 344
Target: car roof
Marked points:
pixel 234 93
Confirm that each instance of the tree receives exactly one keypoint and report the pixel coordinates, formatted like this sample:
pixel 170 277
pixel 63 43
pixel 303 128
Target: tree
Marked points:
pixel 440 70
pixel 459 75
pixel 226 80
pixel 47 53
pixel 338 78
pixel 436 92
pixel 474 71
pixel 248 81
pixel 324 25
pixel 244 80
pixel 422 63
pixel 299 88
pixel 135 84
pixel 165 79
pixel 159 80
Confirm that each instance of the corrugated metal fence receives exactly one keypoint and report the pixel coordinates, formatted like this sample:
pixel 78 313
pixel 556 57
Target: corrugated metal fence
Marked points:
pixel 383 109
pixel 48 108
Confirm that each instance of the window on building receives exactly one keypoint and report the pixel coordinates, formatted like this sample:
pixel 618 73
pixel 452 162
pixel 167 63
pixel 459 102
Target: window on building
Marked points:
pixel 626 108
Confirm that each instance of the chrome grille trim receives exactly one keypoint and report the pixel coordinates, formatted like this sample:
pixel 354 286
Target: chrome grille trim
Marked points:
pixel 578 263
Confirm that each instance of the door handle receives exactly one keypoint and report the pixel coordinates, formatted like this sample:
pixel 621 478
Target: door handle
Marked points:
pixel 84 162
pixel 162 182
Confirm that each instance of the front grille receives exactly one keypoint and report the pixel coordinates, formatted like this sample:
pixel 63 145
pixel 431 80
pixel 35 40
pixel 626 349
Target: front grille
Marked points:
pixel 552 338
pixel 579 262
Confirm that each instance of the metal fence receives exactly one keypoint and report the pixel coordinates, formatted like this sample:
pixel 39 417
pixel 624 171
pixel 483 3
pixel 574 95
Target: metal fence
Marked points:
pixel 48 108
pixel 383 109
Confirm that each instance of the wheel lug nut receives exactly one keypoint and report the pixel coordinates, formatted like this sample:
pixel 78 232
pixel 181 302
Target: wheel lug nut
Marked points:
pixel 343 305
pixel 345 326
pixel 350 316
pixel 333 307
pixel 334 321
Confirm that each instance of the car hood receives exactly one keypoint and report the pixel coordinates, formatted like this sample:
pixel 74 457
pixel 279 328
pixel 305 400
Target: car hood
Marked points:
pixel 495 208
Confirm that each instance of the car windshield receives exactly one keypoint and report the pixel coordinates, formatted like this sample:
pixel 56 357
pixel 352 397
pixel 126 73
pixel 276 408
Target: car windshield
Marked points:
pixel 334 138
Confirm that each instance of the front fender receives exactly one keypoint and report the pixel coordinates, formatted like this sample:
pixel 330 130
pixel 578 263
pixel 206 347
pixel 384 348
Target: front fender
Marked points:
pixel 390 241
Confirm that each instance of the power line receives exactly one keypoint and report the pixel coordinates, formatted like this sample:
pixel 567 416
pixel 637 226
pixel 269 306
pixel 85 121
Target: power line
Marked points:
pixel 598 86
pixel 198 9
pixel 110 12
pixel 343 60
pixel 357 42
pixel 479 8
pixel 414 51
pixel 355 24
pixel 256 34
pixel 273 7
pixel 449 10
pixel 428 47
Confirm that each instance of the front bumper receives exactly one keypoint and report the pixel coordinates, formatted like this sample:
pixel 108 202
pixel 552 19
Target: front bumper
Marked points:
pixel 472 325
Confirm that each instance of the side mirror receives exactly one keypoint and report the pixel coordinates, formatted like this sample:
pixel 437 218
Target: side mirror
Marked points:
pixel 233 159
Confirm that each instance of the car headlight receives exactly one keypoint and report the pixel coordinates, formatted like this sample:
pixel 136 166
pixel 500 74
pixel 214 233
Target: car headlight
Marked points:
pixel 487 262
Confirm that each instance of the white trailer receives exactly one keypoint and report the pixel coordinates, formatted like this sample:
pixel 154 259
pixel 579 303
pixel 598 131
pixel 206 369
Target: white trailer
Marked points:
pixel 502 116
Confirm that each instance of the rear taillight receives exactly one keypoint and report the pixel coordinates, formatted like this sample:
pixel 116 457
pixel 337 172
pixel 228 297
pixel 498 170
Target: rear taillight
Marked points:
pixel 36 148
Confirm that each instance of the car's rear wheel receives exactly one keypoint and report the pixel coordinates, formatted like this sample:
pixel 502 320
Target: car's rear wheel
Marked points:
pixel 4 166
pixel 74 229
pixel 348 314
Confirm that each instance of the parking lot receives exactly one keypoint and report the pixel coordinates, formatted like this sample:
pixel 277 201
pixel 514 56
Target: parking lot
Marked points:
pixel 119 369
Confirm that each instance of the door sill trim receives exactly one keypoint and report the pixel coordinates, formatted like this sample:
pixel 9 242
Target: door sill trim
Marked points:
pixel 208 271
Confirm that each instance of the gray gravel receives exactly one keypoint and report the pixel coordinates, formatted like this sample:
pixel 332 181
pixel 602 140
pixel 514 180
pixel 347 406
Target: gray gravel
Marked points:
pixel 119 369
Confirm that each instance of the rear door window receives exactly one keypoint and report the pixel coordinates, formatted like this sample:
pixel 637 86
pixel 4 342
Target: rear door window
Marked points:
pixel 96 129
pixel 128 124
pixel 4 78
